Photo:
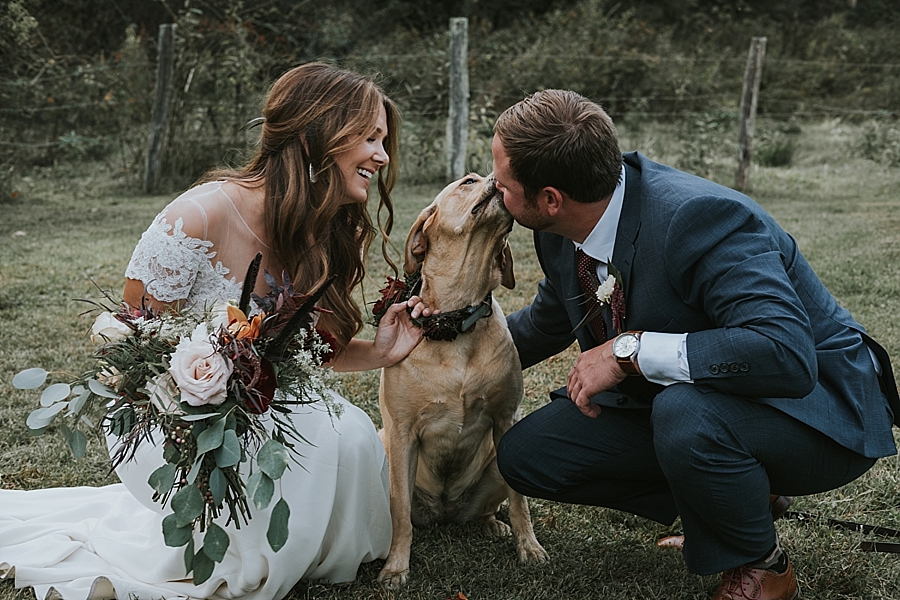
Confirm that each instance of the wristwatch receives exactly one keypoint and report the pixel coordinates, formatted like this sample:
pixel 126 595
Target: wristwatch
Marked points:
pixel 625 348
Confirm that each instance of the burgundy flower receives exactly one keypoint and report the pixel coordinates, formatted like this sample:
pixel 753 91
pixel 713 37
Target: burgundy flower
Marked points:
pixel 390 294
pixel 261 387
pixel 332 344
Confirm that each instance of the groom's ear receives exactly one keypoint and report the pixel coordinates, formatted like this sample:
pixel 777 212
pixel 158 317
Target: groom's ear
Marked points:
pixel 417 241
pixel 552 199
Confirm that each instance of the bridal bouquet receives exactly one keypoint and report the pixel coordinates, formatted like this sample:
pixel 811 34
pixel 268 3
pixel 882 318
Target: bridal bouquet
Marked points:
pixel 213 389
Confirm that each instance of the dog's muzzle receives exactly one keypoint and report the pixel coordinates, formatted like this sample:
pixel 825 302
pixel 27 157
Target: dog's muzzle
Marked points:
pixel 490 191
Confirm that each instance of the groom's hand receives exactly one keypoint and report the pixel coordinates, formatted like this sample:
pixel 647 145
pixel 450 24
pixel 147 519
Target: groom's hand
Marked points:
pixel 595 371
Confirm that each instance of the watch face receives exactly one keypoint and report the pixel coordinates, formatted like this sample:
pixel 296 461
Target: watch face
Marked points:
pixel 625 345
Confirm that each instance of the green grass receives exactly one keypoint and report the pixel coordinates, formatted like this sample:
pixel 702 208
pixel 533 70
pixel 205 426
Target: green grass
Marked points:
pixel 843 210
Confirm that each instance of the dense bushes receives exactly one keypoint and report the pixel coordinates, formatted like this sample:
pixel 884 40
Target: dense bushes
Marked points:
pixel 678 61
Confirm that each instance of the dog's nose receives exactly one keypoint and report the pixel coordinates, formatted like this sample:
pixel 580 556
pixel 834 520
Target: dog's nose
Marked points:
pixel 491 184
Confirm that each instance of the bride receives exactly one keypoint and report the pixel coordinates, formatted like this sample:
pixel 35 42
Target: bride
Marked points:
pixel 301 202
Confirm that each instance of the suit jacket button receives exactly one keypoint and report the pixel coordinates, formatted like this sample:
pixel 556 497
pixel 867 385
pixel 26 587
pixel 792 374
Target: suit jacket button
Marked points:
pixel 745 367
pixel 621 400
pixel 723 368
pixel 733 367
pixel 714 369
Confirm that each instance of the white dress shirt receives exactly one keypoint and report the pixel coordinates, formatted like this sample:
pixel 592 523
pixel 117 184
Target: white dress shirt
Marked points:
pixel 662 357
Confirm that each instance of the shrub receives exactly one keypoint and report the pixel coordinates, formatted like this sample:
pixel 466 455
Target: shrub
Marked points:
pixel 881 142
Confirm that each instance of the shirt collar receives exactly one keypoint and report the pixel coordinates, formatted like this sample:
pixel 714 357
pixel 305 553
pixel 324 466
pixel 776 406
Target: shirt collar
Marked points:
pixel 600 242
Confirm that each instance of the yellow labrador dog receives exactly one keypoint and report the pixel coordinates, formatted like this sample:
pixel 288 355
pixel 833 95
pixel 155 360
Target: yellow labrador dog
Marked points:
pixel 447 404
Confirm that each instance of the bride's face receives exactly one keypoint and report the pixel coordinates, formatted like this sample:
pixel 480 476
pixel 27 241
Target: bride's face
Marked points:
pixel 359 163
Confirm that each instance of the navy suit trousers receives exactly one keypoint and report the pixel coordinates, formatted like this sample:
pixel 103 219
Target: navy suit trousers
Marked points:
pixel 710 458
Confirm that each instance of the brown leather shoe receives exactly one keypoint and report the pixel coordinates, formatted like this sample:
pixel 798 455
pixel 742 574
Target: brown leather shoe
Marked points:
pixel 757 584
pixel 779 505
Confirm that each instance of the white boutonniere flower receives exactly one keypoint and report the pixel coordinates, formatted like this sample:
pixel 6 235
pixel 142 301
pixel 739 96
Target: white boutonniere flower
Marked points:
pixel 605 290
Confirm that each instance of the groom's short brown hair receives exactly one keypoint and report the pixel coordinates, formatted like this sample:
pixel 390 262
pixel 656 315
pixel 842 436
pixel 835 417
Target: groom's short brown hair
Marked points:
pixel 560 139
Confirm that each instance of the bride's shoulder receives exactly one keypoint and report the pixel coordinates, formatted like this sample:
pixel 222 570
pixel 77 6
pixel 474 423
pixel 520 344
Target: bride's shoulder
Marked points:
pixel 197 211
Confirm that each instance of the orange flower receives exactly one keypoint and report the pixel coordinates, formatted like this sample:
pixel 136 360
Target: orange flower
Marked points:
pixel 240 327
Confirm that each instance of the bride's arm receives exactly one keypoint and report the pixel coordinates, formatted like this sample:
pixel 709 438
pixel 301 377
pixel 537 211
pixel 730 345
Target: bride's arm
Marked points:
pixel 136 296
pixel 397 335
pixel 165 261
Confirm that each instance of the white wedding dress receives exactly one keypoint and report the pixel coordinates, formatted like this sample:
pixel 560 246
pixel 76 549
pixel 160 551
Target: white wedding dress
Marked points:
pixel 88 543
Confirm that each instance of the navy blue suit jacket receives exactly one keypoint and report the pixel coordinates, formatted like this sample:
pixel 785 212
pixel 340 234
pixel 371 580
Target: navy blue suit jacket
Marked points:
pixel 700 258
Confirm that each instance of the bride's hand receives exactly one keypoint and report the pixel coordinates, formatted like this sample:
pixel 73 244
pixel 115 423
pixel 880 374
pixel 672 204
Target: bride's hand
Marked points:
pixel 397 335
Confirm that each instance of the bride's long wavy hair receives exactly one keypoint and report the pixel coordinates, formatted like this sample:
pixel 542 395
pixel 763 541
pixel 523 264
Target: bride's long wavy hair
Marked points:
pixel 313 113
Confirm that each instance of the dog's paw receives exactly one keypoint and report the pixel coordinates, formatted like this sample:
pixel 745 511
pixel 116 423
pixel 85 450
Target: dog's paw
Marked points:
pixel 531 551
pixel 391 578
pixel 496 528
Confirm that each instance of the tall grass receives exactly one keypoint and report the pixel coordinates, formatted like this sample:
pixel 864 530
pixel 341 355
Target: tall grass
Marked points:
pixel 70 229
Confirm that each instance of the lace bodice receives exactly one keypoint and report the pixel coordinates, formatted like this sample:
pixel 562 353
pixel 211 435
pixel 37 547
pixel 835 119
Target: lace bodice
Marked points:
pixel 175 266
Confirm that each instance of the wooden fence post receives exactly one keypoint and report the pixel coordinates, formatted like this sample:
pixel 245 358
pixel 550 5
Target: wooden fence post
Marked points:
pixel 749 97
pixel 165 61
pixel 458 118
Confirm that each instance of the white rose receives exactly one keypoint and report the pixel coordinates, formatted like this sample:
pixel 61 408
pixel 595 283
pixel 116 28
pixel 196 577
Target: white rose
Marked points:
pixel 200 371
pixel 107 328
pixel 219 315
pixel 162 393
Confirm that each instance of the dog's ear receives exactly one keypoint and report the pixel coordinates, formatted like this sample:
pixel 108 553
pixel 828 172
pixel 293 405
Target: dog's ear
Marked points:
pixel 417 241
pixel 504 257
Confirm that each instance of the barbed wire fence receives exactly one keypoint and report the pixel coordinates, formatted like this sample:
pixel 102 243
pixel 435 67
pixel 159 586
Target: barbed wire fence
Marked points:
pixel 104 110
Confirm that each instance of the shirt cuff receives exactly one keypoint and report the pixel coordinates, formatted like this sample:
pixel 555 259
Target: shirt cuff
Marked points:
pixel 663 358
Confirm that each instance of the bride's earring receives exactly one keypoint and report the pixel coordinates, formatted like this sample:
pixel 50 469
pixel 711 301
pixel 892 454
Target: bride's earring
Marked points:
pixel 312 174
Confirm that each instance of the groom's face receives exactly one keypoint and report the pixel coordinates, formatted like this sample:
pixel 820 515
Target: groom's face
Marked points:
pixel 527 213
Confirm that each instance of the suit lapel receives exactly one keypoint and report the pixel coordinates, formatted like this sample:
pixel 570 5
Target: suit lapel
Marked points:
pixel 627 231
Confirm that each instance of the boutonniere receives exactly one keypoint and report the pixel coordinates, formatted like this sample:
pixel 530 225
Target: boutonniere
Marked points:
pixel 610 292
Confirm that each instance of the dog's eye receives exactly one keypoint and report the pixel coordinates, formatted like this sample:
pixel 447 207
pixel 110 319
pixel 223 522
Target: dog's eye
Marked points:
pixel 469 181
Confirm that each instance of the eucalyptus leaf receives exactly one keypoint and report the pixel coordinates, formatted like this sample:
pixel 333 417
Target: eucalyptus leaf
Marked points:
pixel 277 533
pixel 78 403
pixel 203 567
pixel 77 442
pixel 174 535
pixel 30 379
pixel 260 489
pixel 171 453
pixel 215 542
pixel 217 485
pixel 199 417
pixel 101 389
pixel 189 556
pixel 195 470
pixel 272 459
pixel 162 479
pixel 42 417
pixel 187 503
pixel 55 393
pixel 211 438
pixel 229 453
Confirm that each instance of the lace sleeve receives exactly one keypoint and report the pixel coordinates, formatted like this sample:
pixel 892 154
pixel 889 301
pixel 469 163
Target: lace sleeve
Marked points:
pixel 167 261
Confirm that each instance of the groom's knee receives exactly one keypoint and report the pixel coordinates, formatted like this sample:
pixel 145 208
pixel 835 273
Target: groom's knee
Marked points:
pixel 513 458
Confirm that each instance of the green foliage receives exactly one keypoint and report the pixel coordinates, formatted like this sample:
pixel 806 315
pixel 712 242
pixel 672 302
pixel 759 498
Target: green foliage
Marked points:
pixel 704 139
pixel 880 141
pixel 775 143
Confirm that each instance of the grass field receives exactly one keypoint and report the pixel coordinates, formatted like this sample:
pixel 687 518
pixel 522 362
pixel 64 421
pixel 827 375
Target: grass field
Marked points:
pixel 72 226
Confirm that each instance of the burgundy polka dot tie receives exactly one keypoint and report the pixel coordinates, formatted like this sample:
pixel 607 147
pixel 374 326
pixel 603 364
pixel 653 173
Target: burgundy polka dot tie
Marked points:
pixel 586 267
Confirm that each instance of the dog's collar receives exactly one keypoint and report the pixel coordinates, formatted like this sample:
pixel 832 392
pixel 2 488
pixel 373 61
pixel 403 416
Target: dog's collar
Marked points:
pixel 439 327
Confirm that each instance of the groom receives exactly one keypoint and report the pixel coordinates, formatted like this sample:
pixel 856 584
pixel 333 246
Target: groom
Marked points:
pixel 716 373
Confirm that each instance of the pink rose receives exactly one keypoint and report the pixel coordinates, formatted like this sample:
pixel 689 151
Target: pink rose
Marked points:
pixel 200 371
